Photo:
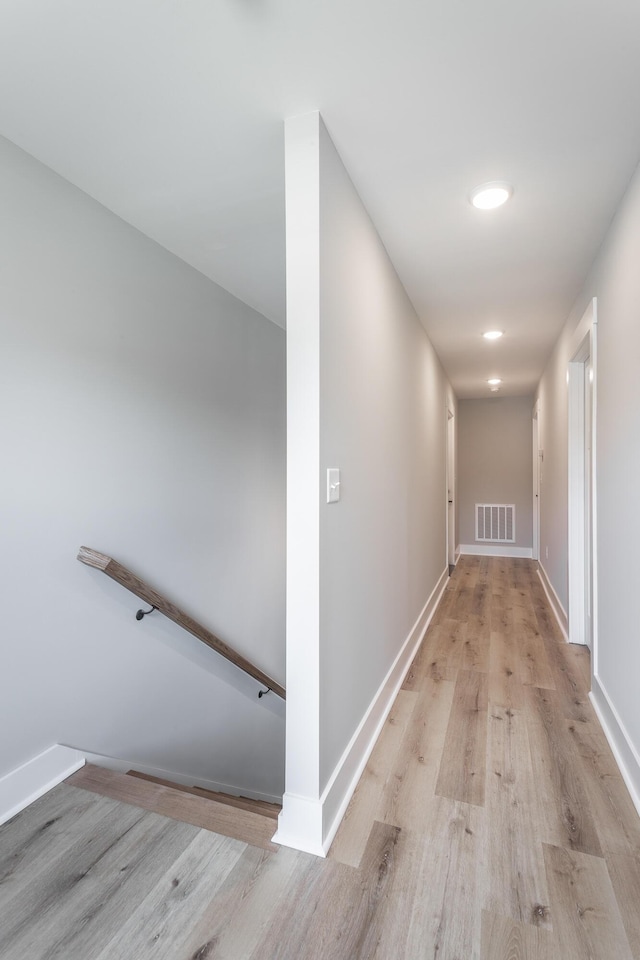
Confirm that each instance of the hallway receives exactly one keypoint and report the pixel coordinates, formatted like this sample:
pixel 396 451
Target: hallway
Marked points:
pixel 491 823
pixel 517 837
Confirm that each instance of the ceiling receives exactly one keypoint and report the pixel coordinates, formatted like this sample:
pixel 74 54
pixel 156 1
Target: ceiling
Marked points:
pixel 170 113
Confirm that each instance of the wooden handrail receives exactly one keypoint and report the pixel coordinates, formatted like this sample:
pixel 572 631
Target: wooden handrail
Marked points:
pixel 142 589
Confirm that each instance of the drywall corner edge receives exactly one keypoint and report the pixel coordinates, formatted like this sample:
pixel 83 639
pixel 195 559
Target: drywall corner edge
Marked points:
pixel 24 785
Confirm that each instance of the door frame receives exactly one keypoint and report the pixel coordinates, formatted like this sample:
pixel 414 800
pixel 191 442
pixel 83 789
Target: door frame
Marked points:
pixel 578 509
pixel 450 486
pixel 535 553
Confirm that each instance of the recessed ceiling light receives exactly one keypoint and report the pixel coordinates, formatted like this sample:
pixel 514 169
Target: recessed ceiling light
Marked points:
pixel 493 334
pixel 488 196
pixel 494 381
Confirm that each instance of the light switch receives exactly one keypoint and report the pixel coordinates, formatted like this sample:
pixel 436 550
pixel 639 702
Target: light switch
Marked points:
pixel 333 485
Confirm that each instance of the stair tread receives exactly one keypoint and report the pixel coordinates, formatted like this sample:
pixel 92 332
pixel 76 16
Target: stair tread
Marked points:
pixel 243 803
pixel 179 803
pixel 165 783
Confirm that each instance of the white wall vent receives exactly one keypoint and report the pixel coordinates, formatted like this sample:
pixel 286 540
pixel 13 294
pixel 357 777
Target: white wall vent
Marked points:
pixel 496 522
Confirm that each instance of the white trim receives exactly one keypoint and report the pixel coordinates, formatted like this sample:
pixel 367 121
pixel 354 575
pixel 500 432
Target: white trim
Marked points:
pixel 584 347
pixel 621 744
pixel 185 779
pixel 300 825
pixel 349 769
pixel 594 491
pixel 494 550
pixel 25 784
pixel 576 501
pixel 304 494
pixel 535 451
pixel 554 601
pixel 450 484
pixel 310 825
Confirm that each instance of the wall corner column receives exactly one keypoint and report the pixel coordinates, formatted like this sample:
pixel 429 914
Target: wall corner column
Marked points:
pixel 300 823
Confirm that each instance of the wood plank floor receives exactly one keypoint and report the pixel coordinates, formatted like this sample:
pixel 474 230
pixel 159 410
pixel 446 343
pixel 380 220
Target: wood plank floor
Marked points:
pixel 491 823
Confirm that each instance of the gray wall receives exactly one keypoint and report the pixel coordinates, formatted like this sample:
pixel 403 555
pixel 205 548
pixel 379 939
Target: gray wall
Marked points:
pixel 142 414
pixel 615 281
pixel 495 461
pixel 383 399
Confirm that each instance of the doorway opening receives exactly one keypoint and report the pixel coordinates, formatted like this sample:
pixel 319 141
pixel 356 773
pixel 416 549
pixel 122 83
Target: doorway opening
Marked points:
pixel 536 454
pixel 451 491
pixel 581 493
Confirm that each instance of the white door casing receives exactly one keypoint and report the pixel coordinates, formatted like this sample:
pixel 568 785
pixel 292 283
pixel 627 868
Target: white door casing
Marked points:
pixel 536 482
pixel 582 527
pixel 451 488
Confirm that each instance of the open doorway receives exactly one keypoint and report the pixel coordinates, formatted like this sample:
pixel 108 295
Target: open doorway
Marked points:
pixel 581 493
pixel 451 490
pixel 536 452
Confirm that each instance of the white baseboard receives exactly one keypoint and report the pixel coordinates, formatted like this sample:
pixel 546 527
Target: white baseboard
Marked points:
pixel 495 550
pixel 300 825
pixel 621 744
pixel 310 825
pixel 186 780
pixel 554 601
pixel 37 776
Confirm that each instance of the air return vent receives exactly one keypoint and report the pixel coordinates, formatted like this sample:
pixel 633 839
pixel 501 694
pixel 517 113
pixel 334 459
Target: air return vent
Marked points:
pixel 496 522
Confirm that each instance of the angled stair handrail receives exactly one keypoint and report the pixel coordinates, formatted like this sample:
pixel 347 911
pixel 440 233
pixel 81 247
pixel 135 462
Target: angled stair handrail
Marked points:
pixel 141 589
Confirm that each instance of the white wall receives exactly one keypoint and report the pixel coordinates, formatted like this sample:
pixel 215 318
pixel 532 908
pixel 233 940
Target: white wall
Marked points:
pixel 366 394
pixel 383 399
pixel 615 281
pixel 495 462
pixel 142 413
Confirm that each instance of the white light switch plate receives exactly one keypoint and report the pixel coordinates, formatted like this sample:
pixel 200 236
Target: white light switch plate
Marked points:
pixel 333 485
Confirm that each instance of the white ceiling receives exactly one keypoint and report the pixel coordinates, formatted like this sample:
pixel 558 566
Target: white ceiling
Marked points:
pixel 170 112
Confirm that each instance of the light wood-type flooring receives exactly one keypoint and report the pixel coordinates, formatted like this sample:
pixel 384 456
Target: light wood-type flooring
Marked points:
pixel 491 823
